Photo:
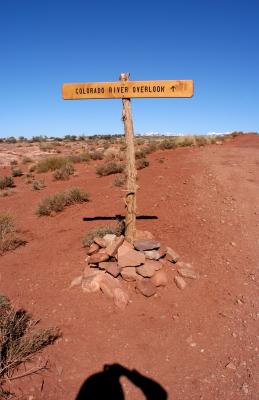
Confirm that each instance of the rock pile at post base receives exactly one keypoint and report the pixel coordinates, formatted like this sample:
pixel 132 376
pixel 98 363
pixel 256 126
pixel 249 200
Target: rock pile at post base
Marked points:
pixel 111 262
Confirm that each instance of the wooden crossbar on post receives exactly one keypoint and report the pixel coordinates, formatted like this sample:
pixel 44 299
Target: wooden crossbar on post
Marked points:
pixel 131 172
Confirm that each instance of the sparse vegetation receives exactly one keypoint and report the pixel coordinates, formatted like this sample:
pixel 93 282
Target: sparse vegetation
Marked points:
pixel 38 184
pixel 8 238
pixel 26 160
pixel 109 168
pixel 16 172
pixel 6 182
pixel 51 164
pixel 57 202
pixel 142 163
pixel 63 173
pixel 96 155
pixel 117 230
pixel 20 341
pixel 119 180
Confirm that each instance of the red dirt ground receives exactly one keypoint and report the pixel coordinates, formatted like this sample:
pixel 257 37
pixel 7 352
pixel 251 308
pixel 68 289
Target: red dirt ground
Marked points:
pixel 206 200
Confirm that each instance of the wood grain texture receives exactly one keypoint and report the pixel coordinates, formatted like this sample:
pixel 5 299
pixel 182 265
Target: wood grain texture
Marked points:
pixel 127 89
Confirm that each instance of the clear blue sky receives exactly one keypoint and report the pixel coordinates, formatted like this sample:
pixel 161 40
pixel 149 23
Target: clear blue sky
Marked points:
pixel 46 43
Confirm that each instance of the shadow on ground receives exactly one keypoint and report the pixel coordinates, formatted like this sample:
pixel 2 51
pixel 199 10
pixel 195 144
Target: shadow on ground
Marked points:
pixel 106 385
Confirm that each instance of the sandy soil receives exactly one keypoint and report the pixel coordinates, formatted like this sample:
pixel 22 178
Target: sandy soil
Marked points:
pixel 206 200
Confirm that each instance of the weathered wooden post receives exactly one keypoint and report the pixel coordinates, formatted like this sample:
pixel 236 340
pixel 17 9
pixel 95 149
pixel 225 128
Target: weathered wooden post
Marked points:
pixel 131 172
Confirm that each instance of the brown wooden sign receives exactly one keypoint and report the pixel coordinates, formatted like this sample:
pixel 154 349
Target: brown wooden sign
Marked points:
pixel 128 89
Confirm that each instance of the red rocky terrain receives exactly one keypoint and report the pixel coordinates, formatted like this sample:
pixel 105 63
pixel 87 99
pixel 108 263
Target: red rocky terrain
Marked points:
pixel 192 341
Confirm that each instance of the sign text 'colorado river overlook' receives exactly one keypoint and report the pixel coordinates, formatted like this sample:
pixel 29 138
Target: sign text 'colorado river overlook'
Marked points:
pixel 113 90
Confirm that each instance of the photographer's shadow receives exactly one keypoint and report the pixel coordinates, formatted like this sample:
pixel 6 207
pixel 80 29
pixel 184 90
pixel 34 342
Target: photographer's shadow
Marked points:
pixel 106 385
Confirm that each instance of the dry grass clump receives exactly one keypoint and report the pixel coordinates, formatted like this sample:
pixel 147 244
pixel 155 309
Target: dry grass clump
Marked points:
pixel 38 184
pixel 57 202
pixel 16 172
pixel 8 238
pixel 51 164
pixel 109 168
pixel 26 160
pixel 79 158
pixel 6 182
pixel 20 341
pixel 102 231
pixel 166 144
pixel 119 181
pixel 142 163
pixel 63 173
pixel 96 155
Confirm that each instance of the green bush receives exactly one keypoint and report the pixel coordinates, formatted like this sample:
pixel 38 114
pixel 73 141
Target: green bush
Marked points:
pixel 109 168
pixel 6 181
pixel 59 201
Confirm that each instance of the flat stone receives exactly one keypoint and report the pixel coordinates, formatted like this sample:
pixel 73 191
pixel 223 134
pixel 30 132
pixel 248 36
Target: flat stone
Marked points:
pixel 129 274
pixel 180 282
pixel 120 298
pixel 144 235
pixel 131 258
pixel 91 283
pixel 182 264
pixel 76 281
pixel 162 251
pixel 145 287
pixel 145 244
pixel 110 267
pixel 93 249
pixel 171 255
pixel 124 248
pixel 109 238
pixel 146 270
pixel 159 278
pixel 108 284
pixel 114 246
pixel 152 254
pixel 100 241
pixel 187 273
pixel 98 257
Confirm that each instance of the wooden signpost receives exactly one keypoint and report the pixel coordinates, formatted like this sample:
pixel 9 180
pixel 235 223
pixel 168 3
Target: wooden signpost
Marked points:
pixel 126 89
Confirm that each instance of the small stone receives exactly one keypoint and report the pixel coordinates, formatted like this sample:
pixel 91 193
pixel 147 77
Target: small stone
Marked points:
pixel 114 246
pixel 110 267
pixel 146 287
pixel 244 388
pixel 152 254
pixel 187 273
pixel 76 281
pixel 100 241
pixel 159 278
pixel 182 264
pixel 144 244
pixel 98 257
pixel 91 283
pixel 131 258
pixel 108 284
pixel 180 282
pixel 162 251
pixel 109 238
pixel 233 244
pixel 171 255
pixel 93 249
pixel 129 274
pixel 146 270
pixel 144 235
pixel 231 365
pixel 120 298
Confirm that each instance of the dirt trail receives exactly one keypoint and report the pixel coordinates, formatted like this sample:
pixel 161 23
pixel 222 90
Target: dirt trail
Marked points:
pixel 206 200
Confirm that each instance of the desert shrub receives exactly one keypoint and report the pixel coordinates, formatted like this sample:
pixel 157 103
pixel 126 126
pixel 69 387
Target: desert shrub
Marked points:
pixel 140 153
pixel 59 201
pixel 101 231
pixel 45 146
pixel 11 139
pixel 167 144
pixel 8 238
pixel 6 182
pixel 51 164
pixel 150 148
pixel 38 184
pixel 119 180
pixel 201 140
pixel 142 163
pixel 26 160
pixel 184 141
pixel 63 173
pixel 78 158
pixel 109 168
pixel 16 172
pixel 20 341
pixel 96 155
pixel 13 163
pixel 32 168
pixel 7 193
